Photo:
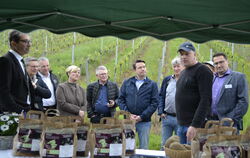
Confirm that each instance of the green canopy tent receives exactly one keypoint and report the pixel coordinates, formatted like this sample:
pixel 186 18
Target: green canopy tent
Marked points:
pixel 197 20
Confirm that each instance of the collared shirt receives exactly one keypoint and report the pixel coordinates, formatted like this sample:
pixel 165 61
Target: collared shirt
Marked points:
pixel 170 96
pixel 216 89
pixel 138 83
pixel 102 101
pixel 19 58
pixel 50 101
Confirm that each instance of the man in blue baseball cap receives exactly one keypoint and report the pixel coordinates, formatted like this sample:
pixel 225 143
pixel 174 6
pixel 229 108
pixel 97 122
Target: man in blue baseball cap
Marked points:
pixel 193 94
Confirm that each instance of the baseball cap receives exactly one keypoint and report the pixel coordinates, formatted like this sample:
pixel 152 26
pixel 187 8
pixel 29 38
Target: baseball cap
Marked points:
pixel 187 47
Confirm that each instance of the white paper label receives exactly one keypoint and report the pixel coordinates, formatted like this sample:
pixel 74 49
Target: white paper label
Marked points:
pixel 115 150
pixel 228 86
pixel 18 145
pixel 66 151
pixel 35 145
pixel 130 144
pixel 44 152
pixel 81 145
pixel 95 151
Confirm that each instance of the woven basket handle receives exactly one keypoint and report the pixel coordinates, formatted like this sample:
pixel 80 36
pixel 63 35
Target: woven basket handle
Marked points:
pixel 32 114
pixel 225 121
pixel 222 130
pixel 77 119
pixel 52 112
pixel 211 123
pixel 107 120
pixel 125 114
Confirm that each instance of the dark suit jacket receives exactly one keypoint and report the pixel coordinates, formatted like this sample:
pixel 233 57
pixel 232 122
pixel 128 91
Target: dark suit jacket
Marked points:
pixel 42 91
pixel 13 85
pixel 233 99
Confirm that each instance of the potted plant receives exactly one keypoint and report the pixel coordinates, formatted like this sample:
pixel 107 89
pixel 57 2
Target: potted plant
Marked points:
pixel 8 129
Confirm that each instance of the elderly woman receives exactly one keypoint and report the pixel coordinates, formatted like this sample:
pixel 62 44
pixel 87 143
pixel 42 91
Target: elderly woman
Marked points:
pixel 71 98
pixel 40 88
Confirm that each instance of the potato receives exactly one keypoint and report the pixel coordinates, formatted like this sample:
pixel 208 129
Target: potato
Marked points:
pixel 172 139
pixel 177 146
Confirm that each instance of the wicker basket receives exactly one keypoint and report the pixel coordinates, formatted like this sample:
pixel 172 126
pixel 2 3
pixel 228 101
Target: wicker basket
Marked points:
pixel 6 142
pixel 171 153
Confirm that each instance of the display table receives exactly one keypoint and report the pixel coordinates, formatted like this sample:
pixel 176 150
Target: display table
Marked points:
pixel 139 154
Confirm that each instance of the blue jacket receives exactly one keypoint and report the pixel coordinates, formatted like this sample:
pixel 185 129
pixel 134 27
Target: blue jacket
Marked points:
pixel 162 94
pixel 141 102
pixel 233 99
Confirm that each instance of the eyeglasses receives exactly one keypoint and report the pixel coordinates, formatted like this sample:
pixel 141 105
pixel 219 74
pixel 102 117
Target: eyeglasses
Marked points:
pixel 33 66
pixel 26 41
pixel 220 62
pixel 103 74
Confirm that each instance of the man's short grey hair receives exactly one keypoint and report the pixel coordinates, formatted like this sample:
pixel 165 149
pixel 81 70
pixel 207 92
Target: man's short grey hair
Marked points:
pixel 100 68
pixel 29 59
pixel 43 59
pixel 176 61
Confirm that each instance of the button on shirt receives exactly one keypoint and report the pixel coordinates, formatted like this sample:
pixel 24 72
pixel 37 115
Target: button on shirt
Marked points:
pixel 170 96
pixel 19 58
pixel 217 85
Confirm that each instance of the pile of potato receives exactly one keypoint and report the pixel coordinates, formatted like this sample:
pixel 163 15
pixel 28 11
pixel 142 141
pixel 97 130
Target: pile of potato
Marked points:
pixel 174 143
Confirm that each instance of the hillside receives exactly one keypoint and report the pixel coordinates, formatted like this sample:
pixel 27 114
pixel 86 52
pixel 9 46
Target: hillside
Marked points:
pixel 118 55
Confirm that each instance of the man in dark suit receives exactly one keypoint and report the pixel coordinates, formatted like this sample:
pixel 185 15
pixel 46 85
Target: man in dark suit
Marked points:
pixel 230 92
pixel 15 85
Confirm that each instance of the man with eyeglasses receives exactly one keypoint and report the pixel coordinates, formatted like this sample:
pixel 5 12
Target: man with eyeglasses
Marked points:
pixel 101 96
pixel 40 88
pixel 16 91
pixel 229 92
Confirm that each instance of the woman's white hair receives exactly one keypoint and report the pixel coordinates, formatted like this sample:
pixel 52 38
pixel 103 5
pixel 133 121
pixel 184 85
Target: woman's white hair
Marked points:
pixel 176 61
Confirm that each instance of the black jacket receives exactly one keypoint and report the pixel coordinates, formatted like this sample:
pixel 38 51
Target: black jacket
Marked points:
pixel 93 90
pixel 14 87
pixel 54 80
pixel 41 91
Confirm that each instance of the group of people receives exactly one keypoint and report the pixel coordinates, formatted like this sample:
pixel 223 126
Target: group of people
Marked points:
pixel 198 92
pixel 189 97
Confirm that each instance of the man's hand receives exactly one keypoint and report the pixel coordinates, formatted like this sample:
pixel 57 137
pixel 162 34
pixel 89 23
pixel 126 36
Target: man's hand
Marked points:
pixel 81 113
pixel 111 103
pixel 132 117
pixel 138 118
pixel 163 116
pixel 191 132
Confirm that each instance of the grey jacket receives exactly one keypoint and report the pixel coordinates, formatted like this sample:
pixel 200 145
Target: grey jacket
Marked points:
pixel 233 100
pixel 70 99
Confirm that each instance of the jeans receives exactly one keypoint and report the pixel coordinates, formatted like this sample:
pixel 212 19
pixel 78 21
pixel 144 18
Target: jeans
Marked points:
pixel 143 130
pixel 182 132
pixel 169 125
